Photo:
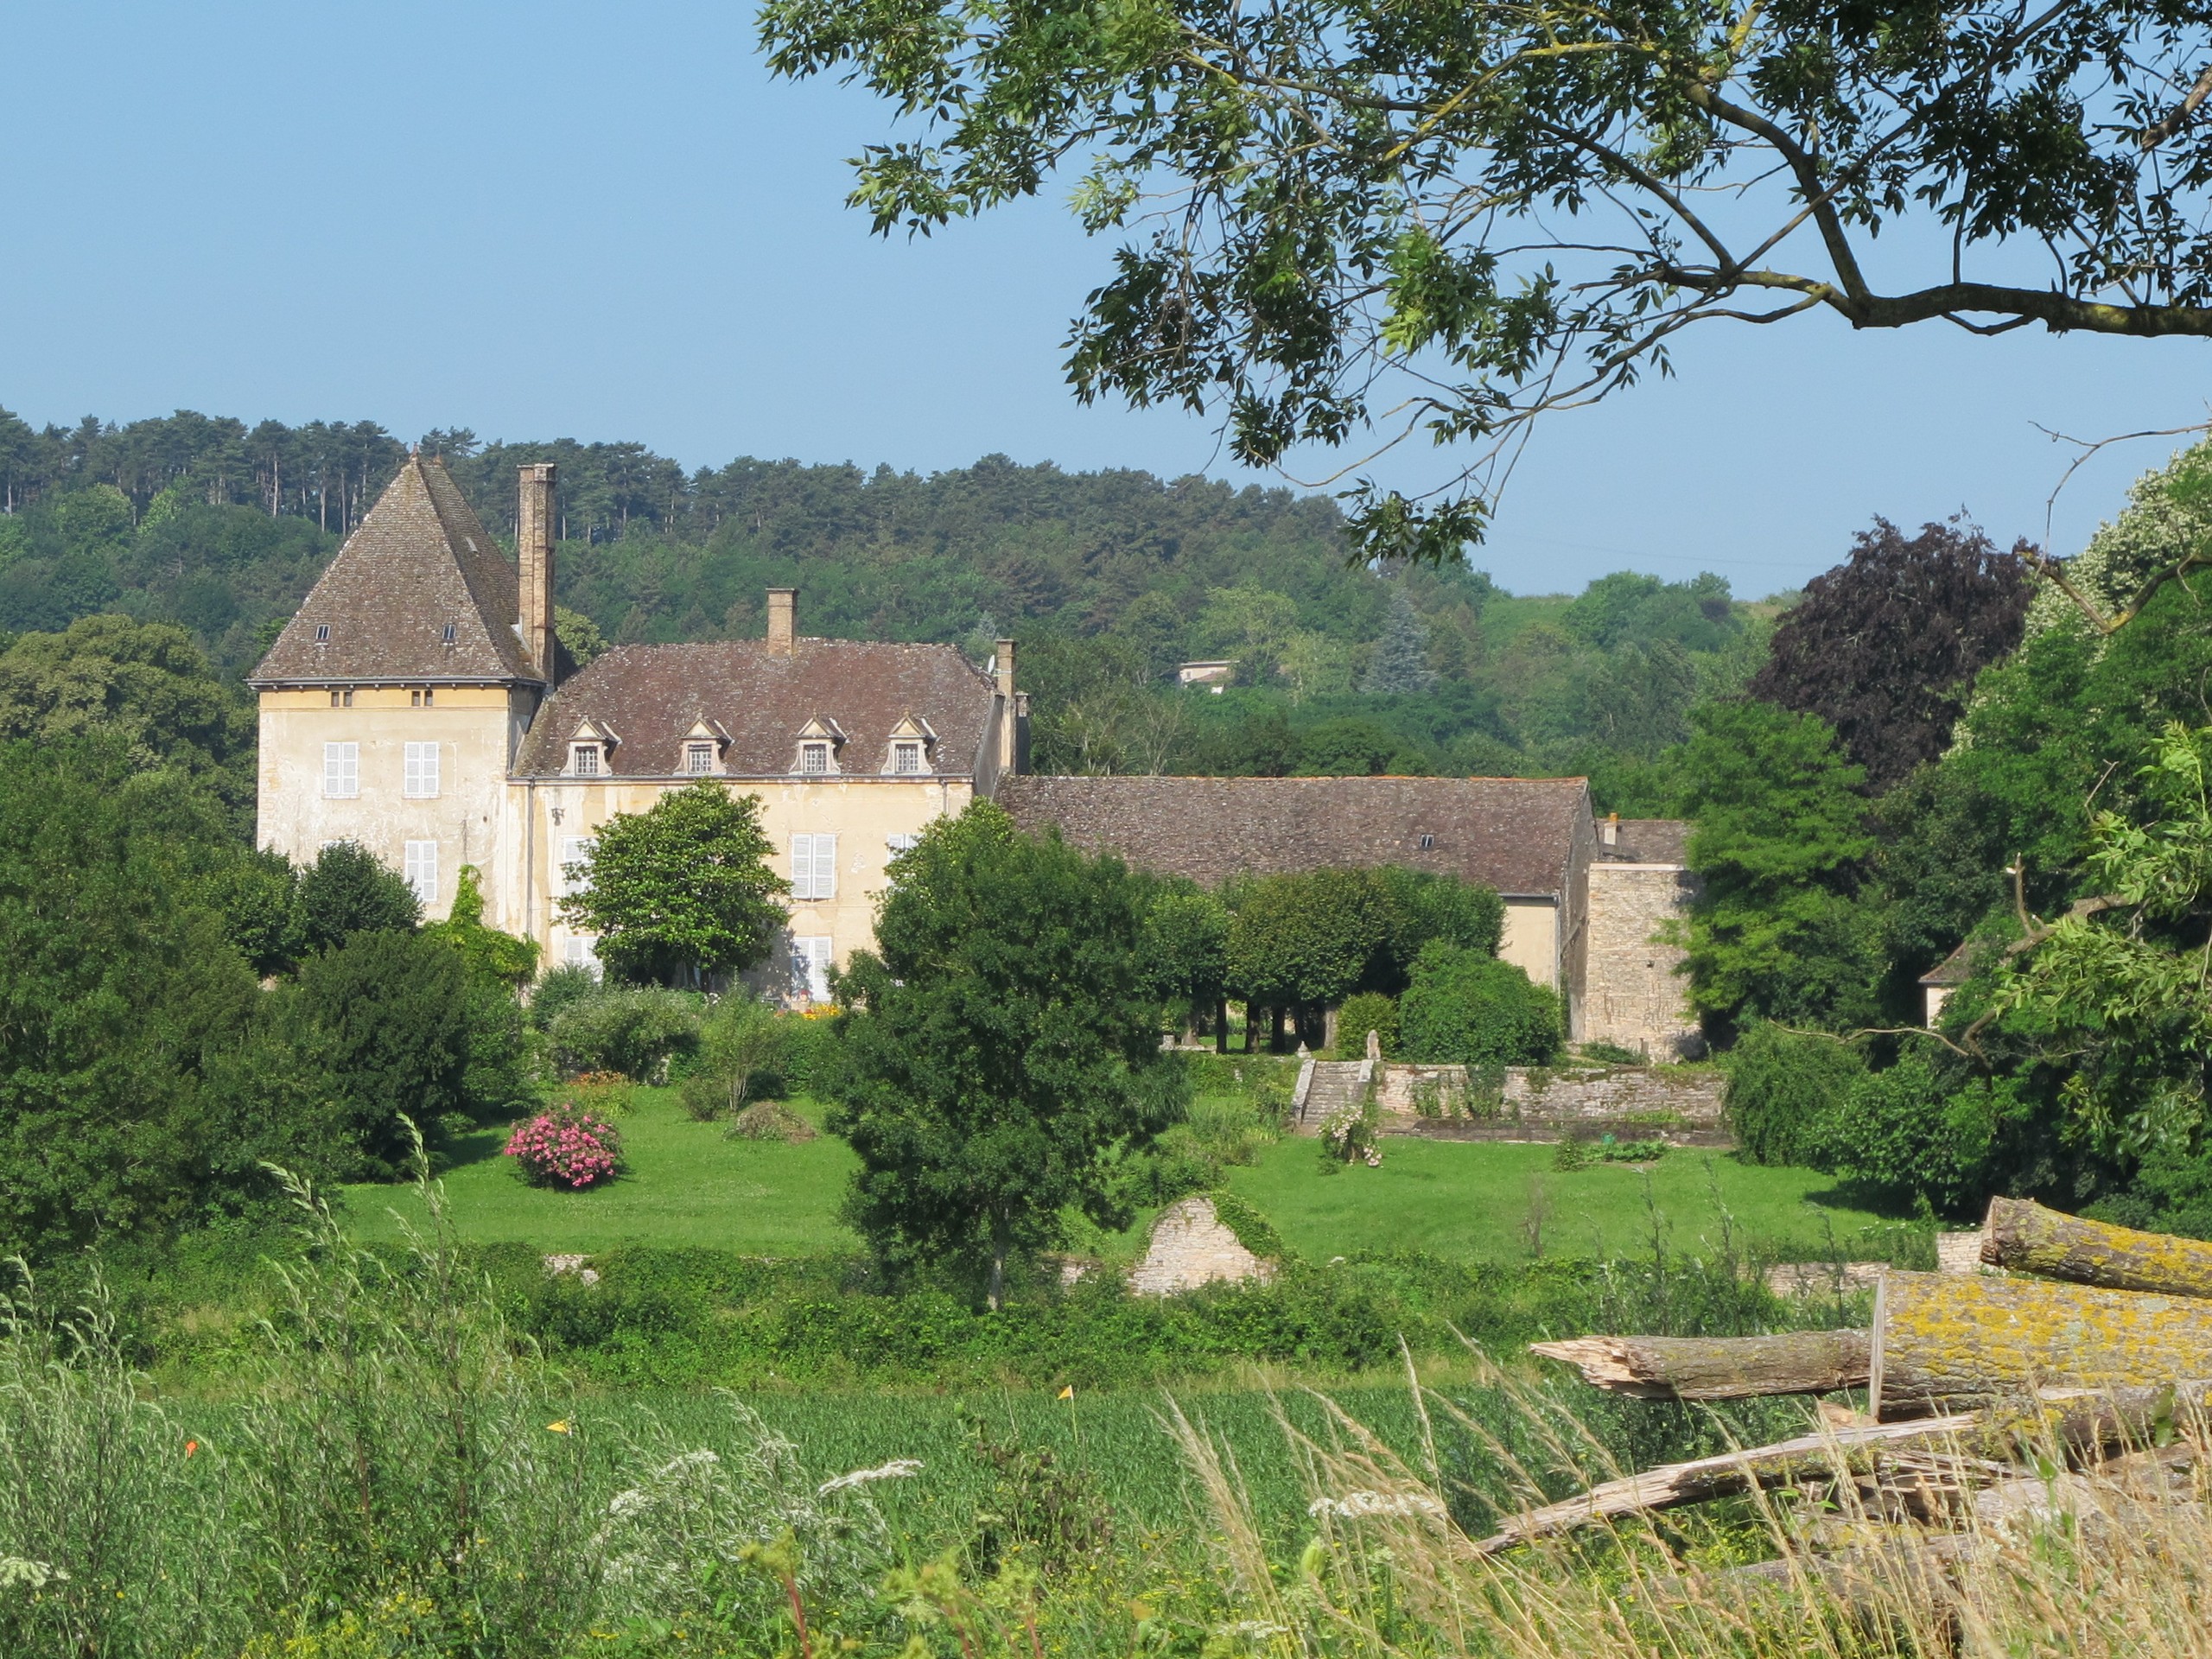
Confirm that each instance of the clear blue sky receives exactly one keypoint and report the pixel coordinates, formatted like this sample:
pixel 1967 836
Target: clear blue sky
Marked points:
pixel 606 221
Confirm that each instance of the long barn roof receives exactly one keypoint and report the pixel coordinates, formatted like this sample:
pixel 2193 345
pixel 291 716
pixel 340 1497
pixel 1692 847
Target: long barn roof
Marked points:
pixel 1517 834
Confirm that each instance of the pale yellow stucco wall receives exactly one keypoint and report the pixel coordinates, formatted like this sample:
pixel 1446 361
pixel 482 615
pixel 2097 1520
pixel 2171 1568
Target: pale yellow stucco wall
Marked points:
pixel 863 812
pixel 475 727
pixel 1530 939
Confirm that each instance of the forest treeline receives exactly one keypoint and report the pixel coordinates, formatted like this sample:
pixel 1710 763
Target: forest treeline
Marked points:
pixel 1109 579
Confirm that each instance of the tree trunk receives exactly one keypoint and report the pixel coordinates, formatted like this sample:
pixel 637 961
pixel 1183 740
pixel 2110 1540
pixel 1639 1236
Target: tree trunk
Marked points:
pixel 1718 1368
pixel 2029 1238
pixel 1808 1457
pixel 1251 1026
pixel 995 1294
pixel 1942 1341
pixel 1221 1025
pixel 1275 1030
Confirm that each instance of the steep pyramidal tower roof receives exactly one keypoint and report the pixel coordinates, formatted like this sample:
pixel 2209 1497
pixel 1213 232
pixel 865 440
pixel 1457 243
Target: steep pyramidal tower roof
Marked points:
pixel 419 592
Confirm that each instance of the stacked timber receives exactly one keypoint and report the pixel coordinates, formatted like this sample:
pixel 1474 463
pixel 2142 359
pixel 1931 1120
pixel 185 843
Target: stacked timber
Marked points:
pixel 2096 1350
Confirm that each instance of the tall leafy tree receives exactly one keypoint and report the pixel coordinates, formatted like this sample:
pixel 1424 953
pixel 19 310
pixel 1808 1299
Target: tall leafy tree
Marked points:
pixel 1341 214
pixel 1399 660
pixel 122 994
pixel 347 891
pixel 1000 1056
pixel 1778 847
pixel 681 891
pixel 1885 646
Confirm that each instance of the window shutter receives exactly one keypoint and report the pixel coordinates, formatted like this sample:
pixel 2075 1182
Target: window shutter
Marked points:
pixel 422 870
pixel 422 771
pixel 575 850
pixel 341 770
pixel 802 867
pixel 825 867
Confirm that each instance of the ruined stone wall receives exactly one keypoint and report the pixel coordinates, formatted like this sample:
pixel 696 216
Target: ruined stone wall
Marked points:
pixel 1545 1102
pixel 1634 996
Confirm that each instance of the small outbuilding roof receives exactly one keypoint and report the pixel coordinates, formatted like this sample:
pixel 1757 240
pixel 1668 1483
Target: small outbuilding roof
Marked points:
pixel 1954 969
pixel 1517 834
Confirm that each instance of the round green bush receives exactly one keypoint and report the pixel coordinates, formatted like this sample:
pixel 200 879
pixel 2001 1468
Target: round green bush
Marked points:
pixel 1369 1011
pixel 1781 1083
pixel 1467 1007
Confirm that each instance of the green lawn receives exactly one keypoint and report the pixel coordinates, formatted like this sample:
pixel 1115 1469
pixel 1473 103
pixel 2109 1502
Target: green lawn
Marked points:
pixel 1472 1197
pixel 687 1184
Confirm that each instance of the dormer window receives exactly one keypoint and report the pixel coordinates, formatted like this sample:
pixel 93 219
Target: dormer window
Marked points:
pixel 907 757
pixel 583 759
pixel 449 632
pixel 322 633
pixel 814 759
pixel 698 758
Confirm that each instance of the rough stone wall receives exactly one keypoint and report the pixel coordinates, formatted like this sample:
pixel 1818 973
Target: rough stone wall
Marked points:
pixel 1190 1248
pixel 1585 1095
pixel 1634 996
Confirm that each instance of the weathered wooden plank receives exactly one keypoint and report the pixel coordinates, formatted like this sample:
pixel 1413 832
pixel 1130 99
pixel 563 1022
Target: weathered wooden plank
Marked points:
pixel 1719 1368
pixel 1945 1342
pixel 2022 1235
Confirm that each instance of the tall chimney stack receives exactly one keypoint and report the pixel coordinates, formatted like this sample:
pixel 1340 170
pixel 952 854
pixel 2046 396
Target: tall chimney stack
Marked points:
pixel 534 554
pixel 1011 709
pixel 783 620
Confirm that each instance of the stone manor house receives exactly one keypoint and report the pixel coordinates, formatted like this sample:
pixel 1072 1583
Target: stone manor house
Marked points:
pixel 420 705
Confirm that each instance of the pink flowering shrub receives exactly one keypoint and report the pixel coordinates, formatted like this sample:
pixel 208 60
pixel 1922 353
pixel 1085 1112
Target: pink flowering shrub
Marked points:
pixel 566 1146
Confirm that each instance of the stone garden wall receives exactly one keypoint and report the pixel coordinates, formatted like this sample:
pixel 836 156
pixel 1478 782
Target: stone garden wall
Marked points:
pixel 1678 1103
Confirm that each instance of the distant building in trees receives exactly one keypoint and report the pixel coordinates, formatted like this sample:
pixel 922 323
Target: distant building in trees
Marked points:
pixel 421 705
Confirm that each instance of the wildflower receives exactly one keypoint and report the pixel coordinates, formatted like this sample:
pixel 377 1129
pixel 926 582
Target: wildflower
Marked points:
pixel 897 1469
pixel 1352 1505
pixel 31 1575
pixel 191 1447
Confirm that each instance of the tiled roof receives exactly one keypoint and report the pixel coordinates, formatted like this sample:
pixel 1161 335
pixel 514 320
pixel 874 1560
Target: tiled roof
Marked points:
pixel 1646 841
pixel 1954 969
pixel 1514 834
pixel 419 563
pixel 653 696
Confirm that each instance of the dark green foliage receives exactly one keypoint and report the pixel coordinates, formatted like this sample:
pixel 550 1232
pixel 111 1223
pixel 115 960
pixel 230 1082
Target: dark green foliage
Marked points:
pixel 1368 1011
pixel 123 995
pixel 682 891
pixel 1048 1514
pixel 2171 1192
pixel 1782 1085
pixel 560 986
pixel 1306 938
pixel 1428 908
pixel 386 1019
pixel 1885 646
pixel 1469 1008
pixel 1920 1131
pixel 146 682
pixel 634 1030
pixel 346 892
pixel 1352 746
pixel 1001 1053
pixel 1186 943
pixel 258 897
pixel 1780 841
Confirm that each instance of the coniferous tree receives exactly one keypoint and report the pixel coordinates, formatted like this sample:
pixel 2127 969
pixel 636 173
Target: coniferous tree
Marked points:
pixel 1400 665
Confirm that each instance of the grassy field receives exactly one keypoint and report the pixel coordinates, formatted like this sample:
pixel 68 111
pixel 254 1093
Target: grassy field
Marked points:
pixel 687 1184
pixel 1474 1199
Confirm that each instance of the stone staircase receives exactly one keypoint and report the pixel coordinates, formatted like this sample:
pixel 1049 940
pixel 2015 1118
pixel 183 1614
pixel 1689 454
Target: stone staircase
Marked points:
pixel 1326 1085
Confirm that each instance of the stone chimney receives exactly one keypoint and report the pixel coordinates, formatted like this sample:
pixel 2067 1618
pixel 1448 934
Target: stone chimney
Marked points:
pixel 1011 732
pixel 534 553
pixel 783 620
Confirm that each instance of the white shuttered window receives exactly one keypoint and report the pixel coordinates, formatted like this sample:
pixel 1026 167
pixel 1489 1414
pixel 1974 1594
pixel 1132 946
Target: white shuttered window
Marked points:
pixel 420 780
pixel 422 870
pixel 575 850
pixel 341 770
pixel 811 958
pixel 814 866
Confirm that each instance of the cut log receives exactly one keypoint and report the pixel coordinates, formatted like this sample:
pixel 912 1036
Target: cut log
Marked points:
pixel 1945 1342
pixel 2082 1428
pixel 1808 1457
pixel 2024 1236
pixel 1718 1368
